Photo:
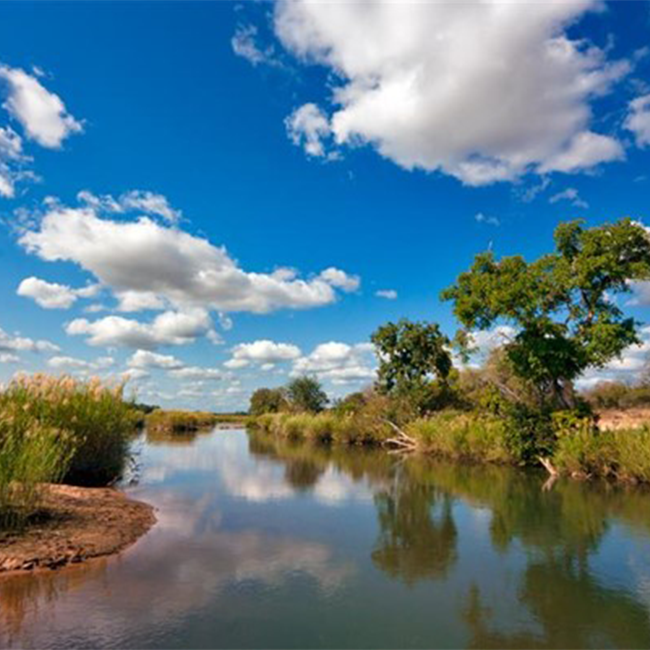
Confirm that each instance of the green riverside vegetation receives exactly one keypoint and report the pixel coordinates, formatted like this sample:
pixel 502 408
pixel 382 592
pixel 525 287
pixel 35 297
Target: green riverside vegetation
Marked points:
pixel 520 407
pixel 187 421
pixel 58 429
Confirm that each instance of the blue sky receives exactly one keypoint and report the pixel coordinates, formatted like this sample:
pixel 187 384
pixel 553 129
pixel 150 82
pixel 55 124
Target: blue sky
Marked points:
pixel 366 147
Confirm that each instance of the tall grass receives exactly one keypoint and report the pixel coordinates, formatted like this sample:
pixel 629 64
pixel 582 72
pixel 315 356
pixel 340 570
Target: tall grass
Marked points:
pixel 462 436
pixel 325 427
pixel 180 421
pixel 92 417
pixel 578 448
pixel 28 457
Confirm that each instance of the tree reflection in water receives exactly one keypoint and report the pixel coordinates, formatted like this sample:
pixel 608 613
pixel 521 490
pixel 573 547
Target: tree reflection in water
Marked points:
pixel 418 536
pixel 476 556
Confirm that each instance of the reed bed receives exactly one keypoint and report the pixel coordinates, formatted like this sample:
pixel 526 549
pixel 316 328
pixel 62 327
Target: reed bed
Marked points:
pixel 579 449
pixel 180 421
pixel 58 429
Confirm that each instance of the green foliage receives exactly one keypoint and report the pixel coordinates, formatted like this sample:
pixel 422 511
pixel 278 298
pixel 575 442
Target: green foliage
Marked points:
pixel 561 304
pixel 412 356
pixel 96 417
pixel 30 454
pixel 306 394
pixel 529 433
pixel 179 421
pixel 462 436
pixel 268 400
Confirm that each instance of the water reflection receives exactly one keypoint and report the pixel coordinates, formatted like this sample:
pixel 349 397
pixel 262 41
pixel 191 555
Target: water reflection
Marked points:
pixel 268 543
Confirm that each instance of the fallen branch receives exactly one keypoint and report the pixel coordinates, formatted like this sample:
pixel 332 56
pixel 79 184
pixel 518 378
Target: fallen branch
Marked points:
pixel 548 466
pixel 402 439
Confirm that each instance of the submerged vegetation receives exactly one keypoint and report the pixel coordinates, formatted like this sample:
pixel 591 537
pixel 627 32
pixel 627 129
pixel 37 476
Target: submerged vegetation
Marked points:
pixel 520 407
pixel 58 429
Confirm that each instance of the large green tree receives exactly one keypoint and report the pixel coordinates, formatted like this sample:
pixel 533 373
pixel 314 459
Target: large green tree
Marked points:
pixel 562 305
pixel 306 394
pixel 268 400
pixel 412 356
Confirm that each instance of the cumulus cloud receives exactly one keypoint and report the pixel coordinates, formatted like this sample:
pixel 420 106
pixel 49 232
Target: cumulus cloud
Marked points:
pixel 41 113
pixel 261 352
pixel 485 91
pixel 5 357
pixel 338 362
pixel 62 362
pixel 340 279
pixel 571 195
pixel 147 359
pixel 638 120
pixel 15 343
pixel 51 295
pixel 388 294
pixel 168 328
pixel 195 372
pixel 143 259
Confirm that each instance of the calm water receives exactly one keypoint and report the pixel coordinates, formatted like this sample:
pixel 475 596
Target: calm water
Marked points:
pixel 268 544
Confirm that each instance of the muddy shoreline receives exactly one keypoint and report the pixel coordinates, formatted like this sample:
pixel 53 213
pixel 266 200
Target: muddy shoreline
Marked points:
pixel 75 524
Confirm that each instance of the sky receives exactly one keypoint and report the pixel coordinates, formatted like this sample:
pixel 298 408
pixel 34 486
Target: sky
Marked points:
pixel 203 198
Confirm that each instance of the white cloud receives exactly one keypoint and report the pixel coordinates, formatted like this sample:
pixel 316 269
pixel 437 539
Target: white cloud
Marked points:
pixel 145 359
pixel 130 301
pixel 9 343
pixel 9 358
pixel 141 201
pixel 60 362
pixel 388 294
pixel 340 279
pixel 638 120
pixel 168 328
pixel 338 362
pixel 488 219
pixel 482 342
pixel 571 195
pixel 585 150
pixel 236 364
pixel 11 156
pixel 145 257
pixel 51 295
pixel 195 372
pixel 41 113
pixel 484 91
pixel 308 127
pixel 261 352
pixel 245 44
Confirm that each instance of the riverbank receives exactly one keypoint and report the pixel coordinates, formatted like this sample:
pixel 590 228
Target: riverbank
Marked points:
pixel 576 447
pixel 75 524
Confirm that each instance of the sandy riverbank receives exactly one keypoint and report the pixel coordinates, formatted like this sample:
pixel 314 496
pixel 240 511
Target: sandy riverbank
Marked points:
pixel 75 524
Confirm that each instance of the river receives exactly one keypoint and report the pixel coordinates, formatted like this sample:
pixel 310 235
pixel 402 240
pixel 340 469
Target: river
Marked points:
pixel 264 543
